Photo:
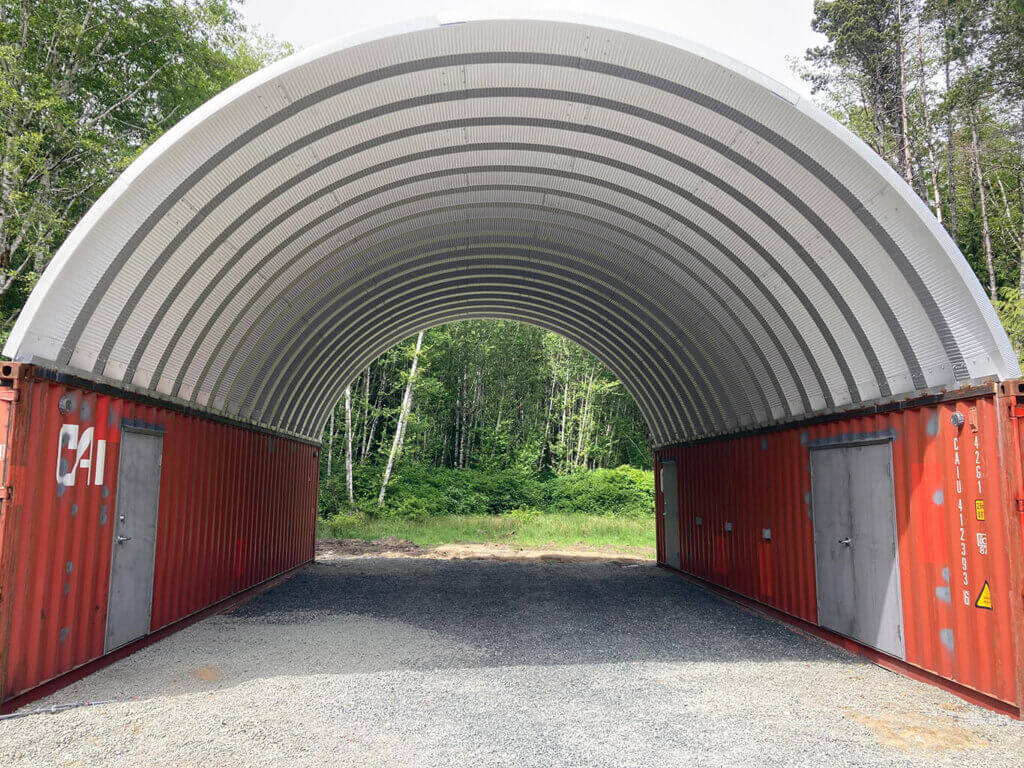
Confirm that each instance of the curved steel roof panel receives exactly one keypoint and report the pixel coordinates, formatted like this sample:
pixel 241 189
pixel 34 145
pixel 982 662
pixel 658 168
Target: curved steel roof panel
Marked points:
pixel 733 254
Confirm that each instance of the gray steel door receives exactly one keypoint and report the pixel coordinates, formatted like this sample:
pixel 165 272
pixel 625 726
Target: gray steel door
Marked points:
pixel 131 566
pixel 855 553
pixel 670 499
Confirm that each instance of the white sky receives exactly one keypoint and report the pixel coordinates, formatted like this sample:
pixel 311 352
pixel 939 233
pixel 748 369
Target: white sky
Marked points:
pixel 760 33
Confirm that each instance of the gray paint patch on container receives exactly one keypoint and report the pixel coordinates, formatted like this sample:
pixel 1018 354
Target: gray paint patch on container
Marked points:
pixel 103 515
pixel 85 410
pixel 62 466
pixel 945 573
pixel 64 634
pixel 110 417
pixel 938 497
pixel 764 443
pixel 932 427
pixel 944 594
pixel 67 587
pixel 946 638
pixel 105 492
pixel 74 510
pixel 68 567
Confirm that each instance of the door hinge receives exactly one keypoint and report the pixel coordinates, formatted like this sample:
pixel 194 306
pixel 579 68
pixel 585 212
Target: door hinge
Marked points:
pixel 6 492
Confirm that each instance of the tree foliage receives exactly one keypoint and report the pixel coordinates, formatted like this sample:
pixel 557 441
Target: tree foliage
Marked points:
pixel 961 144
pixel 85 85
pixel 490 396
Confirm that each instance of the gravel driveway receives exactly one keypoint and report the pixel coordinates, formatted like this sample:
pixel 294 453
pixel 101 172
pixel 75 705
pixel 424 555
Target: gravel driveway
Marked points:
pixel 412 662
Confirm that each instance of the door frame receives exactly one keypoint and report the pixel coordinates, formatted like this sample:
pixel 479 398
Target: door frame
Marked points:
pixel 138 427
pixel 664 513
pixel 860 441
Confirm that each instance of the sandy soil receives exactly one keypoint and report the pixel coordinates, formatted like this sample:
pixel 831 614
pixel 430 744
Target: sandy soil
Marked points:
pixel 331 549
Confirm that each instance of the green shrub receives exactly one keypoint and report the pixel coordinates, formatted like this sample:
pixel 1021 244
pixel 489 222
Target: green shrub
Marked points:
pixel 623 491
pixel 420 491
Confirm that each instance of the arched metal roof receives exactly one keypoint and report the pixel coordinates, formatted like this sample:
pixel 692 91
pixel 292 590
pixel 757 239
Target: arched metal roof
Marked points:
pixel 732 253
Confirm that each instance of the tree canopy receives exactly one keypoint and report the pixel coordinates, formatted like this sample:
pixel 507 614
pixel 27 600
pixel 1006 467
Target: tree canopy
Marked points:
pixel 936 88
pixel 85 86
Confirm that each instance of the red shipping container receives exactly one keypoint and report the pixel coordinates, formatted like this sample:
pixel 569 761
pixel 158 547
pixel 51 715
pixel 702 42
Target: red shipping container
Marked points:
pixel 957 488
pixel 236 507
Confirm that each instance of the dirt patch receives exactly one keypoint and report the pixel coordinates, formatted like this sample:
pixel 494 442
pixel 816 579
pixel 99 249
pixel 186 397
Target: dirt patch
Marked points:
pixel 208 674
pixel 327 549
pixel 918 732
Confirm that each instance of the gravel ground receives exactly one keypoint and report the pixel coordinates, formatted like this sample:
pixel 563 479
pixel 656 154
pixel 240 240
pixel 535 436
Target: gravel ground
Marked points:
pixel 412 662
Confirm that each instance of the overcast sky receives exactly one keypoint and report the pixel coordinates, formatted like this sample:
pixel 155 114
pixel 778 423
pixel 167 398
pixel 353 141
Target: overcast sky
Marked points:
pixel 761 33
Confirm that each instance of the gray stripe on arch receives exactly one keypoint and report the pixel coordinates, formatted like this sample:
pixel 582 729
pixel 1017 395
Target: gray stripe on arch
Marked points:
pixel 425 266
pixel 816 269
pixel 737 261
pixel 554 60
pixel 712 297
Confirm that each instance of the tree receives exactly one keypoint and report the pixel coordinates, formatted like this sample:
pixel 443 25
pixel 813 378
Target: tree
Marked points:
pixel 865 50
pixel 348 443
pixel 85 85
pixel 403 417
pixel 969 65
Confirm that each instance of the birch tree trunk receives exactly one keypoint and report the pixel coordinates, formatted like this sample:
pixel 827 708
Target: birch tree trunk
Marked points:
pixel 586 415
pixel 348 443
pixel 985 231
pixel 330 444
pixel 565 409
pixel 933 166
pixel 950 154
pixel 906 159
pixel 403 416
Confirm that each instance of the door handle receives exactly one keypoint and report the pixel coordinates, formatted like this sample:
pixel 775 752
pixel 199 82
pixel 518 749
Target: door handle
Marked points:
pixel 123 539
pixel 845 541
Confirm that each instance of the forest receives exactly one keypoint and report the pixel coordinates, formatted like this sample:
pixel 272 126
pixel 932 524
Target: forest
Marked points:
pixel 936 88
pixel 484 417
pixel 487 417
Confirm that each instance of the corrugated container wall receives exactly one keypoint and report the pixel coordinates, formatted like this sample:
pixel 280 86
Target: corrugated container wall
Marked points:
pixel 236 507
pixel 746 524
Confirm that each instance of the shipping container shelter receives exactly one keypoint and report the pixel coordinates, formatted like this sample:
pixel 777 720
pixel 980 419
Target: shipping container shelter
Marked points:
pixel 835 403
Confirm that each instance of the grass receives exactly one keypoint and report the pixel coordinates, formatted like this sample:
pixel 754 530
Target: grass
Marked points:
pixel 635 535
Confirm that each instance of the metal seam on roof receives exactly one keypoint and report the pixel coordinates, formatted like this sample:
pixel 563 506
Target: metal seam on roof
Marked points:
pixel 409 104
pixel 592 220
pixel 639 340
pixel 848 257
pixel 737 259
pixel 766 327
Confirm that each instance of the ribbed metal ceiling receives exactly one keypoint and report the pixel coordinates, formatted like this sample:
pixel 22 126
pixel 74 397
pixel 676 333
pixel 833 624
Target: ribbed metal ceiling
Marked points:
pixel 734 255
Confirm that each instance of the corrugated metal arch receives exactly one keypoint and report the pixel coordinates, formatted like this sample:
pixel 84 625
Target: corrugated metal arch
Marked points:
pixel 734 255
